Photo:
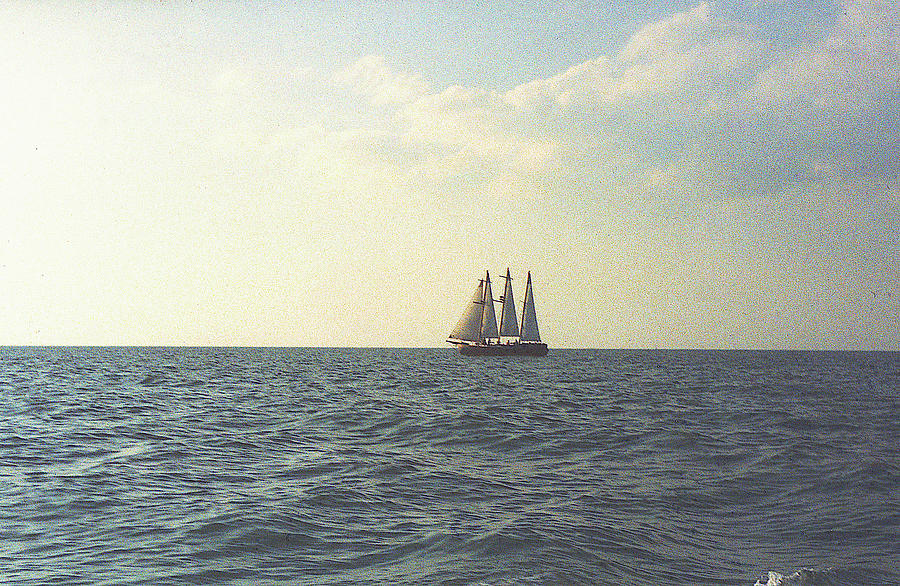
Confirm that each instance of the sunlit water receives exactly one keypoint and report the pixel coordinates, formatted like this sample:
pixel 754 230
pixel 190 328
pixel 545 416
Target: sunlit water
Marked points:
pixel 304 466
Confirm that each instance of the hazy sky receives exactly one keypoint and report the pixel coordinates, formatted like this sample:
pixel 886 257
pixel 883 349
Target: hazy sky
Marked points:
pixel 701 175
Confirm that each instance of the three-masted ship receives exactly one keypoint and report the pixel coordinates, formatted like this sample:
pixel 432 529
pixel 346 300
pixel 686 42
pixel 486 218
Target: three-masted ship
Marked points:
pixel 477 334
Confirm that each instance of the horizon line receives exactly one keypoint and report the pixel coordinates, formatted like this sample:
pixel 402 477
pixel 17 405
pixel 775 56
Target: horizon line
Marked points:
pixel 202 346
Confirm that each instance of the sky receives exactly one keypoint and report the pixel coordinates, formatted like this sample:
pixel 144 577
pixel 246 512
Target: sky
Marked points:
pixel 674 175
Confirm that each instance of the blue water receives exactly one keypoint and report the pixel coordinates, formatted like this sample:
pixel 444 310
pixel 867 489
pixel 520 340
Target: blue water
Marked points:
pixel 368 466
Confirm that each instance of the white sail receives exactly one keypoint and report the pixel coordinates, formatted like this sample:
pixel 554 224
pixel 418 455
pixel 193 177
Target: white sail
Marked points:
pixel 469 325
pixel 530 331
pixel 489 318
pixel 508 324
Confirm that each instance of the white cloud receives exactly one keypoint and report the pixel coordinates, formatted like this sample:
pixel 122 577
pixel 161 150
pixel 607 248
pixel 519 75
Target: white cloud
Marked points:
pixel 659 39
pixel 856 62
pixel 679 62
pixel 690 104
pixel 370 76
pixel 477 125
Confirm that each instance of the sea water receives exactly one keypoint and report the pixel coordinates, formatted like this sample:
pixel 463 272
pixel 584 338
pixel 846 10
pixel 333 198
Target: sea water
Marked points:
pixel 392 466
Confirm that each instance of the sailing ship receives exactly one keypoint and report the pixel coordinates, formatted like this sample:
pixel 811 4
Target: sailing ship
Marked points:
pixel 477 334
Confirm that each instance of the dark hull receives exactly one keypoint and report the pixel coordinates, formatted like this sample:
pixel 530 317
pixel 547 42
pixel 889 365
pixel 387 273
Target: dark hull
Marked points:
pixel 535 349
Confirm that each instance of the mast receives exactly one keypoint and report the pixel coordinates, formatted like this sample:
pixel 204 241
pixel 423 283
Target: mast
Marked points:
pixel 525 301
pixel 481 317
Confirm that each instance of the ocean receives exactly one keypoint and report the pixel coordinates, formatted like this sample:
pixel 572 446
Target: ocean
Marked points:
pixel 419 466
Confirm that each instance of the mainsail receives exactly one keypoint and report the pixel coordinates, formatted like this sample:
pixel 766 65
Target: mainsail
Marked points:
pixel 469 325
pixel 489 318
pixel 478 321
pixel 508 325
pixel 530 331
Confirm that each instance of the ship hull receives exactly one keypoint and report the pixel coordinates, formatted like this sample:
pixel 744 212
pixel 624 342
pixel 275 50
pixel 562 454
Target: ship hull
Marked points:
pixel 531 349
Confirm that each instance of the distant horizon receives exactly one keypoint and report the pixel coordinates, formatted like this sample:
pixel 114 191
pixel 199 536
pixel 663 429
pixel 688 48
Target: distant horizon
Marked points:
pixel 674 174
pixel 448 348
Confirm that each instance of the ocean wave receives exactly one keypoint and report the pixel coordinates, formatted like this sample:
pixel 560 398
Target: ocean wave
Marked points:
pixel 830 577
pixel 238 466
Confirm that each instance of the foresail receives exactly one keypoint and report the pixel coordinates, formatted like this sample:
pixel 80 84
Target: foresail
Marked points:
pixel 489 319
pixel 530 331
pixel 508 324
pixel 469 325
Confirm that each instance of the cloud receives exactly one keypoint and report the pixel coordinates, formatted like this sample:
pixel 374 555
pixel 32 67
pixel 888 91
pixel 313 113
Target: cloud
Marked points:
pixel 659 39
pixel 858 61
pixel 611 115
pixel 371 77
pixel 829 107
pixel 682 62
pixel 691 106
pixel 477 127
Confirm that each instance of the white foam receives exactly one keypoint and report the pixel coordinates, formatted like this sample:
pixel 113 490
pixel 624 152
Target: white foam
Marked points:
pixel 771 579
pixel 798 578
